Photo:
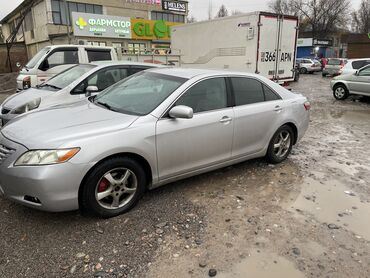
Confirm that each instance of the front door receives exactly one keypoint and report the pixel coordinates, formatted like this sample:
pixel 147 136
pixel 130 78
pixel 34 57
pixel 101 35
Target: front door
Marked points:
pixel 184 145
pixel 361 82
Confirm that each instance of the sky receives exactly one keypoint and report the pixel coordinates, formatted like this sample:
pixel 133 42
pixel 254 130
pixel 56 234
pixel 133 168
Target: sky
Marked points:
pixel 197 8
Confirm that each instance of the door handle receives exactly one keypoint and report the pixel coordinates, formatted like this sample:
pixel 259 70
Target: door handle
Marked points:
pixel 278 108
pixel 225 119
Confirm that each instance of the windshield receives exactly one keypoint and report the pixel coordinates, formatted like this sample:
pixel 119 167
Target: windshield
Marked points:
pixel 139 94
pixel 66 77
pixel 32 63
pixel 334 62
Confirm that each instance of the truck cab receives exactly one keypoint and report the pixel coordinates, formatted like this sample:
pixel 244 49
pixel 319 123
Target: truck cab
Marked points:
pixel 52 60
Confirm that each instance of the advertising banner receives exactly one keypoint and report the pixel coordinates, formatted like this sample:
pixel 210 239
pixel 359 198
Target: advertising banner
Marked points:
pixel 143 29
pixel 96 25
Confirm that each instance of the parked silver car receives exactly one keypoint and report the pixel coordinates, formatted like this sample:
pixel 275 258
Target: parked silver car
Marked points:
pixel 307 65
pixel 70 85
pixel 158 126
pixel 357 83
pixel 334 67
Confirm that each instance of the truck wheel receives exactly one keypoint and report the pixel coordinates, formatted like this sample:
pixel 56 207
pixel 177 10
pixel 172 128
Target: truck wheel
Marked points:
pixel 340 92
pixel 303 70
pixel 280 145
pixel 113 187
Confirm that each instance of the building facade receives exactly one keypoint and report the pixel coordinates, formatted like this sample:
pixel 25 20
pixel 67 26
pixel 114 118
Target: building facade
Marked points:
pixel 133 26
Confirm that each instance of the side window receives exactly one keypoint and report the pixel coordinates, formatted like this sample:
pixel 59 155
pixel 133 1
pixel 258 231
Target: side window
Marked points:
pixel 247 91
pixel 58 58
pixel 102 79
pixel 357 64
pixel 96 55
pixel 365 72
pixel 270 94
pixel 207 95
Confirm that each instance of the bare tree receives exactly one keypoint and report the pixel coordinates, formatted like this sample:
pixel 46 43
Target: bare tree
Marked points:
pixel 361 18
pixel 284 7
pixel 222 12
pixel 321 17
pixel 191 19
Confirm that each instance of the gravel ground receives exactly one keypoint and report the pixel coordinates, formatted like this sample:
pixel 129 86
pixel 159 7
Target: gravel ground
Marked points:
pixel 306 217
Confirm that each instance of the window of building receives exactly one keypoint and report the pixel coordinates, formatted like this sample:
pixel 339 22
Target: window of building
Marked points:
pixel 28 22
pixel 61 13
pixel 136 48
pixel 168 17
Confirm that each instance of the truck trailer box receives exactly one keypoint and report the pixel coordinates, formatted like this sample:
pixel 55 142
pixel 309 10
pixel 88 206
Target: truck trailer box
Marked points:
pixel 258 42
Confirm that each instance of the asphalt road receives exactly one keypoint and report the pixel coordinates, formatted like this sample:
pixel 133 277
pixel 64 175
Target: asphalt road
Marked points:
pixel 307 217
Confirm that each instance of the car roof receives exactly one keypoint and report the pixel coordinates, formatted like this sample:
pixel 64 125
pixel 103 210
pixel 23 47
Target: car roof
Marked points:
pixel 189 73
pixel 128 63
pixel 359 59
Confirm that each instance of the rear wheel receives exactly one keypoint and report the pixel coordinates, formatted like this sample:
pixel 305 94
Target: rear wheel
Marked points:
pixel 303 70
pixel 323 74
pixel 280 145
pixel 340 92
pixel 113 187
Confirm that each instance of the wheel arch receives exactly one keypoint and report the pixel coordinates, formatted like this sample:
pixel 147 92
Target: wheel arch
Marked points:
pixel 140 159
pixel 295 131
pixel 340 83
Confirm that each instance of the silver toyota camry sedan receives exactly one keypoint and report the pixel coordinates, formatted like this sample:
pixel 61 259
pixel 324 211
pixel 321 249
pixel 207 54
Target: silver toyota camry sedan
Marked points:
pixel 102 153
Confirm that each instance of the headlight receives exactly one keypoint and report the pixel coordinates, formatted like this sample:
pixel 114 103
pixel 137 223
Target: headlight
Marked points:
pixel 33 104
pixel 26 82
pixel 46 157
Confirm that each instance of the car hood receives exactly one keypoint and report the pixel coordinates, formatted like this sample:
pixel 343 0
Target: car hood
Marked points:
pixel 23 97
pixel 64 124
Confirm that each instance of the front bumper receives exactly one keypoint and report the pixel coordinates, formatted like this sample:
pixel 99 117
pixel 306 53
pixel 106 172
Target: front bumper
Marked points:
pixel 55 186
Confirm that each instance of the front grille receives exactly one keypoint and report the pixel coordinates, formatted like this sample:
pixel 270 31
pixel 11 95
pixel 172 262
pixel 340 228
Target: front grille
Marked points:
pixel 5 152
pixel 5 111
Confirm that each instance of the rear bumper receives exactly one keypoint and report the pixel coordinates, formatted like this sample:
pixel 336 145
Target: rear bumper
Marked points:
pixel 316 69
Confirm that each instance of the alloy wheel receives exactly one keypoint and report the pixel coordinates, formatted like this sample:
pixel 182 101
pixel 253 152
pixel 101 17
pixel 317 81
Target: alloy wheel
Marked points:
pixel 340 92
pixel 116 188
pixel 282 144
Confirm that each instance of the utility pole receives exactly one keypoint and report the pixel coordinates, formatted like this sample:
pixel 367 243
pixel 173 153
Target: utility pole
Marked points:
pixel 210 10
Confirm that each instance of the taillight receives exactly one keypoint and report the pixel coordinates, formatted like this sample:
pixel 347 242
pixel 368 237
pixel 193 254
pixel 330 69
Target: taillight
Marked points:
pixel 307 105
pixel 27 82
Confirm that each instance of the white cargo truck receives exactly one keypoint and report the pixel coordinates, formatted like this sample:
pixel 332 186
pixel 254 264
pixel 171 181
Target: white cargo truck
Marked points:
pixel 258 42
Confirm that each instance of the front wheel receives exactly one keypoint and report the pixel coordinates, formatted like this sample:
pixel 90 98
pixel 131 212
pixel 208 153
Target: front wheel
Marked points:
pixel 113 187
pixel 340 92
pixel 280 145
pixel 303 70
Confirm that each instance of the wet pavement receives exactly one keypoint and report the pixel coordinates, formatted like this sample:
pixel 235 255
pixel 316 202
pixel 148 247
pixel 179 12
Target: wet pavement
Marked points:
pixel 306 217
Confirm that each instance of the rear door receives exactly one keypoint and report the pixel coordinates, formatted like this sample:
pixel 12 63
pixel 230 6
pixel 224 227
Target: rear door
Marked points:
pixel 277 46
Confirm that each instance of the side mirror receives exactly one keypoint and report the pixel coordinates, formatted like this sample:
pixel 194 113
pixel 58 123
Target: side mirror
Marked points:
pixel 181 112
pixel 90 90
pixel 357 72
pixel 44 66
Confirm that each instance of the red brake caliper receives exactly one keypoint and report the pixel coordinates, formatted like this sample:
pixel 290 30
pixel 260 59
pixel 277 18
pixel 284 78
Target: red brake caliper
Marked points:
pixel 103 185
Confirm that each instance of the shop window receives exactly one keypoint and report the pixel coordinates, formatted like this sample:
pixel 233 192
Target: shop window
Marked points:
pixel 136 48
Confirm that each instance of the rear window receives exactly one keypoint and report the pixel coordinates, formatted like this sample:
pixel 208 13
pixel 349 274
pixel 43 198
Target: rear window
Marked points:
pixel 98 55
pixel 334 62
pixel 359 64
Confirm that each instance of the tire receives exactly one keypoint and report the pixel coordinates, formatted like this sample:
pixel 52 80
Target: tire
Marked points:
pixel 340 92
pixel 323 74
pixel 121 179
pixel 296 76
pixel 303 70
pixel 311 72
pixel 284 135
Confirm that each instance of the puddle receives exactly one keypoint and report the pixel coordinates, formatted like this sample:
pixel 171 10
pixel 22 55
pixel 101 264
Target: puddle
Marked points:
pixel 329 203
pixel 263 265
pixel 353 116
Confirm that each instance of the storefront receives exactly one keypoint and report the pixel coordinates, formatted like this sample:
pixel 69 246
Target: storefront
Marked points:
pixel 310 47
pixel 133 26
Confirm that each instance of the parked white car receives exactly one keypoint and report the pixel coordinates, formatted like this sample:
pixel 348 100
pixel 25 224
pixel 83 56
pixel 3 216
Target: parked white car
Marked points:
pixel 52 60
pixel 307 65
pixel 355 64
pixel 69 85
